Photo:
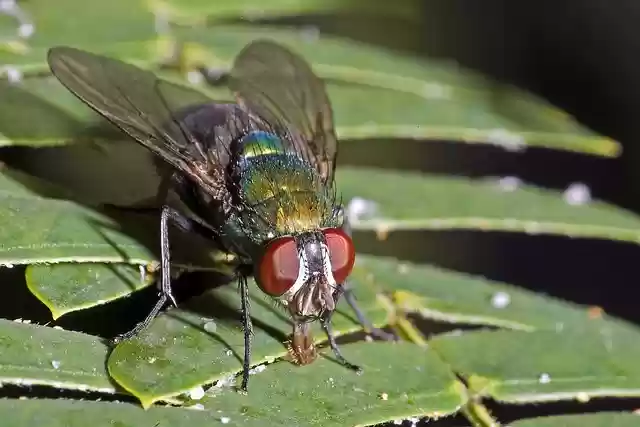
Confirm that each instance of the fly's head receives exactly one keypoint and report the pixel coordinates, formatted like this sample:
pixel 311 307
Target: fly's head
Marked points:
pixel 306 272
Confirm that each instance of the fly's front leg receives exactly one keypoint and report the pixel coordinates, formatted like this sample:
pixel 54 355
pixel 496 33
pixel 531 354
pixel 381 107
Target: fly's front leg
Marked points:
pixel 168 215
pixel 328 329
pixel 350 297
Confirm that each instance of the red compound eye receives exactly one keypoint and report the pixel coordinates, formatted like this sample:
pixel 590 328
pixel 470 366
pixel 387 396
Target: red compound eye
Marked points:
pixel 278 268
pixel 341 252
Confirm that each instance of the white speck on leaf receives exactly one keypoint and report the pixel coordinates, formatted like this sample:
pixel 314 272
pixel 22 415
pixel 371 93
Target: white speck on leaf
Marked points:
pixel 577 194
pixel 223 382
pixel 544 378
pixel 6 5
pixel 532 227
pixel 508 140
pixel 257 369
pixel 55 364
pixel 196 393
pixel 509 183
pixel 225 420
pixel 359 208
pixel 582 397
pixel 26 30
pixel 500 300
pixel 195 77
pixel 14 75
pixel 310 33
pixel 210 326
pixel 436 91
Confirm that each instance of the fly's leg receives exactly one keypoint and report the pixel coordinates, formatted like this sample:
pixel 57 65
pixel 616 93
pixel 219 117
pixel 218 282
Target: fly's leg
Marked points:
pixel 350 297
pixel 165 294
pixel 248 331
pixel 328 329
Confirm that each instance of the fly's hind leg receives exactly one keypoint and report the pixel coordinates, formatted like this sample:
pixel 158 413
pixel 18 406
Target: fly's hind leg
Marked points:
pixel 350 297
pixel 165 294
pixel 247 327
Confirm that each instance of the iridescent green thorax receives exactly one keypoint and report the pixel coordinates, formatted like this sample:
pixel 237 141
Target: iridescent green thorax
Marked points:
pixel 285 191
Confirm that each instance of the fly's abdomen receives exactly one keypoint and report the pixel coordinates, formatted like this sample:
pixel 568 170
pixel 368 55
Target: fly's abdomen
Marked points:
pixel 281 187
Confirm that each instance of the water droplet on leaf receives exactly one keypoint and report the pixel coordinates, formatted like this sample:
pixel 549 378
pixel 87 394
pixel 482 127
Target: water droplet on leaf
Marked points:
pixel 310 33
pixel 196 393
pixel 210 326
pixel 509 183
pixel 26 30
pixel 13 74
pixel 500 300
pixel 359 209
pixel 508 140
pixel 195 77
pixel 577 194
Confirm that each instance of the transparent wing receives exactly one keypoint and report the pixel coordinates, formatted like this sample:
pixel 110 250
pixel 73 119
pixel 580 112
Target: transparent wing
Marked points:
pixel 281 88
pixel 142 105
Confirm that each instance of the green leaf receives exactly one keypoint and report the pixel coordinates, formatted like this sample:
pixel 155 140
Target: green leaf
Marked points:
pixel 38 355
pixel 123 27
pixel 598 359
pixel 323 395
pixel 391 95
pixel 64 288
pixel 20 106
pixel 378 94
pixel 151 366
pixel 38 229
pixel 445 203
pixel 608 419
pixel 79 413
pixel 326 394
pixel 202 11
pixel 440 294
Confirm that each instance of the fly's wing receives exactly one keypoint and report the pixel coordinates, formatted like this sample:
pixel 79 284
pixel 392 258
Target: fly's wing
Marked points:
pixel 141 105
pixel 281 88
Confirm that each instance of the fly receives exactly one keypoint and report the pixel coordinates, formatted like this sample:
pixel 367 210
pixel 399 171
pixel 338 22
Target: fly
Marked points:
pixel 255 176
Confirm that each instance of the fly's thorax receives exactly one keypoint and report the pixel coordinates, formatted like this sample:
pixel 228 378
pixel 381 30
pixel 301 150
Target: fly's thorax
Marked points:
pixel 281 193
